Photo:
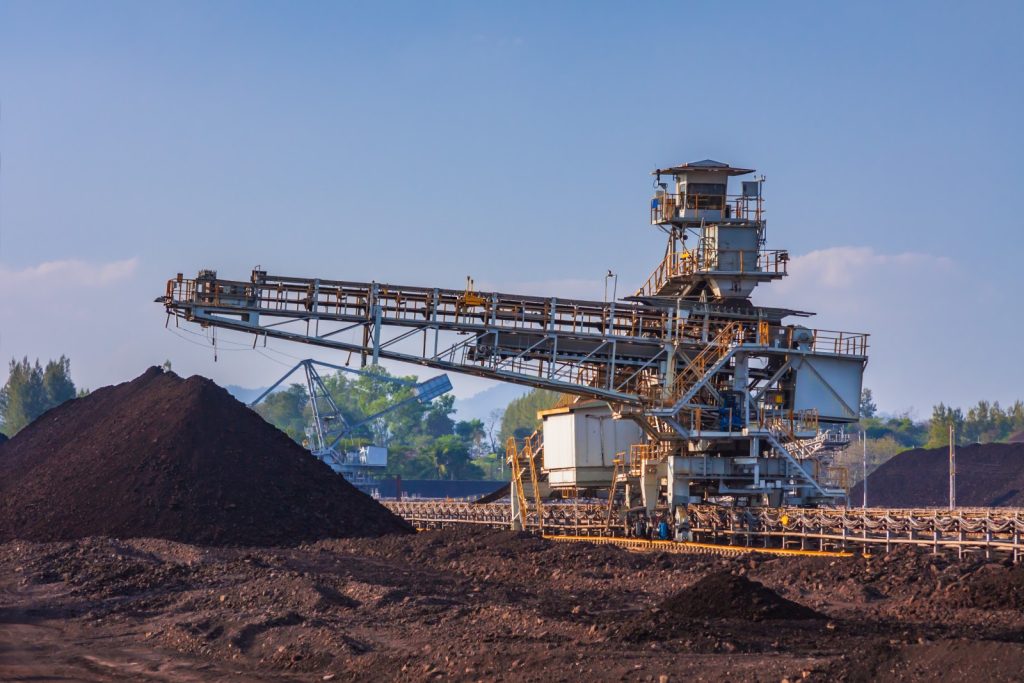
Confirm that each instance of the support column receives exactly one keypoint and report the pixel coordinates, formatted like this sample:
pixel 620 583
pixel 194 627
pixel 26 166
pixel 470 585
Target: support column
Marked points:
pixel 649 484
pixel 678 483
pixel 377 313
pixel 517 511
pixel 741 383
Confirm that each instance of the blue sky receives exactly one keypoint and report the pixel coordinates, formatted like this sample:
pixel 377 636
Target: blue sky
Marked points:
pixel 421 142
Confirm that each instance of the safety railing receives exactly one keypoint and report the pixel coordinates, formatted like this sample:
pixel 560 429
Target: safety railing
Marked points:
pixel 984 530
pixel 833 342
pixel 667 207
pixel 697 261
pixel 211 292
pixel 788 423
pixel 641 454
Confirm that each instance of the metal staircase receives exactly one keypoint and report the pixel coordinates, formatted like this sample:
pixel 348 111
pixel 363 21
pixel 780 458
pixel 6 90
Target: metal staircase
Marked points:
pixel 530 454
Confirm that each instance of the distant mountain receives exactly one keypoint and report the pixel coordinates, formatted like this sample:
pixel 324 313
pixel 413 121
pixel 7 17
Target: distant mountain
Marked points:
pixel 244 394
pixel 480 405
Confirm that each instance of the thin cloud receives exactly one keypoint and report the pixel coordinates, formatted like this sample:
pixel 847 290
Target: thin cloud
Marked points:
pixel 846 267
pixel 43 302
pixel 897 299
pixel 69 272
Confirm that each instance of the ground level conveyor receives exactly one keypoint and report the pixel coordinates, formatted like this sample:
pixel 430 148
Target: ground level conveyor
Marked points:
pixel 986 531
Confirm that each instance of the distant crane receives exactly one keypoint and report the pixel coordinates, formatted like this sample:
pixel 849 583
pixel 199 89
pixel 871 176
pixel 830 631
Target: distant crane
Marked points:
pixel 329 424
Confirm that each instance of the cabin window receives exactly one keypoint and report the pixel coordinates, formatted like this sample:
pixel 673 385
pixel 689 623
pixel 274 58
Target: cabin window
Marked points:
pixel 705 196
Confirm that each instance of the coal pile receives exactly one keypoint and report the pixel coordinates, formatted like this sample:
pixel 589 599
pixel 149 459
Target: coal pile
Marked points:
pixel 726 596
pixel 178 459
pixel 719 596
pixel 987 475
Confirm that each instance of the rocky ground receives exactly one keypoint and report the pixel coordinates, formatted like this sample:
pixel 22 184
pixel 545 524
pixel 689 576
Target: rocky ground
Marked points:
pixel 482 605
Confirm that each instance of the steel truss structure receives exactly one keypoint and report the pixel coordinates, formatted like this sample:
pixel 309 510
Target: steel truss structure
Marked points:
pixel 732 400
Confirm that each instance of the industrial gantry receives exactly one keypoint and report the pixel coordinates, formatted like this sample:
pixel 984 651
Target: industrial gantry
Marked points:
pixel 683 393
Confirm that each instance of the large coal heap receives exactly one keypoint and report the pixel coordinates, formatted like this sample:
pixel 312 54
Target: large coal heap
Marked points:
pixel 987 475
pixel 173 458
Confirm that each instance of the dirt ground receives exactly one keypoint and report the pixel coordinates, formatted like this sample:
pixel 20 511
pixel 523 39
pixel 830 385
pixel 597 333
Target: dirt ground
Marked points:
pixel 484 605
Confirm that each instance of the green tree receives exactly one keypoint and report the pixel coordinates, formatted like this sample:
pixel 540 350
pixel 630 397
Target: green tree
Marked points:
pixel 30 391
pixel 902 429
pixel 938 428
pixel 1015 415
pixel 57 384
pixel 492 430
pixel 520 418
pixel 438 421
pixel 414 459
pixel 453 461
pixel 493 466
pixel 867 404
pixel 371 393
pixel 287 411
pixel 473 433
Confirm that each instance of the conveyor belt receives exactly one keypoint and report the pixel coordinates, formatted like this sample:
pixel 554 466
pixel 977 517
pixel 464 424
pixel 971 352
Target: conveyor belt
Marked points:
pixel 689 548
pixel 984 531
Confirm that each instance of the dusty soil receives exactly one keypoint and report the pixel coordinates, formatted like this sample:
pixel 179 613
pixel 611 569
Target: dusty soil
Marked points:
pixel 482 605
pixel 987 475
pixel 173 458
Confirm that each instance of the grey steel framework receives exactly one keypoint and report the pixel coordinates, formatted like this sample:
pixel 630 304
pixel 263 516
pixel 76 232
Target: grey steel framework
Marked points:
pixel 735 403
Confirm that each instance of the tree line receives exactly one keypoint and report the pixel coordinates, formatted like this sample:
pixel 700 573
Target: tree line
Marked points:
pixel 32 389
pixel 985 422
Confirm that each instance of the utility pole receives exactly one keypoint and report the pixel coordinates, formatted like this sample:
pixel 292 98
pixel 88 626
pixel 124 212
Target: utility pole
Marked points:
pixel 615 287
pixel 864 463
pixel 952 468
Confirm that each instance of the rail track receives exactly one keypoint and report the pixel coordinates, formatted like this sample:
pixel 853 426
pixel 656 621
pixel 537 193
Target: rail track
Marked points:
pixel 985 531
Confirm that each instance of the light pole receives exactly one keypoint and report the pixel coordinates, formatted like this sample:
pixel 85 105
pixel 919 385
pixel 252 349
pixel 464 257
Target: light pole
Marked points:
pixel 952 468
pixel 615 285
pixel 864 464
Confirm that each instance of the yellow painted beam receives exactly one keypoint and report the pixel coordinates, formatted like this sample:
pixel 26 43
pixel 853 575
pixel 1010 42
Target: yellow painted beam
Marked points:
pixel 642 545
